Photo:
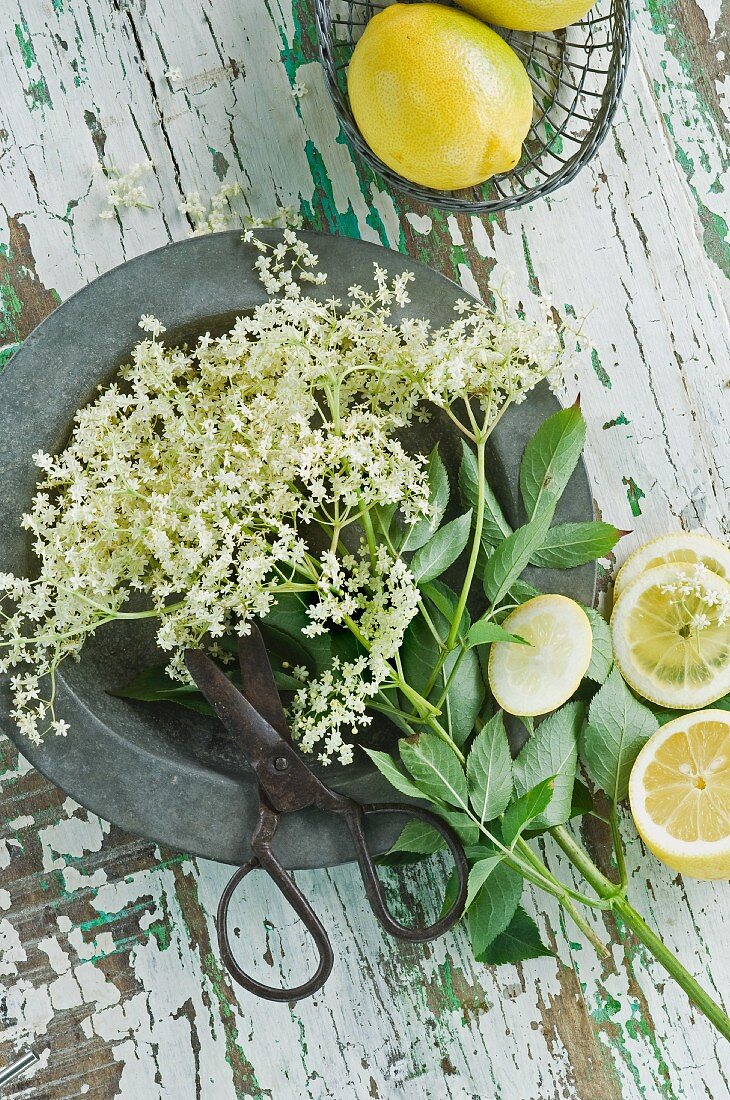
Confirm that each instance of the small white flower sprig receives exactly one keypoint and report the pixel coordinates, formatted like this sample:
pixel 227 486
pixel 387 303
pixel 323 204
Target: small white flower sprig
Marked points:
pixel 194 482
pixel 220 213
pixel 696 595
pixel 124 190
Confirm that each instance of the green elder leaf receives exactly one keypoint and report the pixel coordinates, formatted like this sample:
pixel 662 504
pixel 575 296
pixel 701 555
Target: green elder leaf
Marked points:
pixel 552 750
pixel 435 768
pixel 478 875
pixel 450 894
pixel 416 838
pixel 494 907
pixel 152 686
pixel 526 809
pixel 550 458
pixel 390 770
pixel 519 942
pixel 419 653
pixel 485 631
pixel 569 544
pixel 618 726
pixel 519 592
pixel 441 550
pixel 438 497
pixel 495 526
pixel 602 649
pixel 463 826
pixel 442 597
pixel 489 770
pixel 465 693
pixel 582 800
pixel 581 803
pixel 512 556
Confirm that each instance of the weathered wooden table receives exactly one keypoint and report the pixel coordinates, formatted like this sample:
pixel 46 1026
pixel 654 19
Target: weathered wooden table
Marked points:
pixel 106 942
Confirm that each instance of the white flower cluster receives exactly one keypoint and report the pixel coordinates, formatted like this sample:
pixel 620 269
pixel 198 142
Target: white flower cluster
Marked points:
pixel 283 267
pixel 377 597
pixel 124 190
pixel 206 481
pixel 699 598
pixel 220 214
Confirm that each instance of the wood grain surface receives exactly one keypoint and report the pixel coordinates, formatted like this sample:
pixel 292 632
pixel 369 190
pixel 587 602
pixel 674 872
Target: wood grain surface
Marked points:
pixel 107 958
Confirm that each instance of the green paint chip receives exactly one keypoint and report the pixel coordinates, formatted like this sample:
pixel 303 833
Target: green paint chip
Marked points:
pixel 620 419
pixel 600 371
pixel 634 494
pixel 26 46
pixel 220 164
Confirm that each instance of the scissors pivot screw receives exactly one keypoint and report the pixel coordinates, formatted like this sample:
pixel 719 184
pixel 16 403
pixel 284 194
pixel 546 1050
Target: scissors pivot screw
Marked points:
pixel 281 763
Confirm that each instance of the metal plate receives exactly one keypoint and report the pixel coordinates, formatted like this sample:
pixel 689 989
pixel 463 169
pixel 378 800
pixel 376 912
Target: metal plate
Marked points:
pixel 160 771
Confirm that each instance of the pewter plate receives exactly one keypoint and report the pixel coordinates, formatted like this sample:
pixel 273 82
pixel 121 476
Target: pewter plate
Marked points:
pixel 157 770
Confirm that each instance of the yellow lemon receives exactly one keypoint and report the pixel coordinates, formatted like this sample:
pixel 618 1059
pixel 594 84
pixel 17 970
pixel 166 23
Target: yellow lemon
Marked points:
pixel 680 794
pixel 671 635
pixel 438 96
pixel 529 15
pixel 536 678
pixel 690 548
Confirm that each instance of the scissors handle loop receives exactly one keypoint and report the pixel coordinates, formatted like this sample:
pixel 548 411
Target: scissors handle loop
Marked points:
pixel 306 914
pixel 374 887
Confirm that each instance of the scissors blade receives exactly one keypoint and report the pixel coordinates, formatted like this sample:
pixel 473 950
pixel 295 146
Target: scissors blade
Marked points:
pixel 283 775
pixel 259 685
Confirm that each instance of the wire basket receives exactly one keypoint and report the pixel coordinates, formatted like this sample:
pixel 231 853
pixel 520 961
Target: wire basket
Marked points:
pixel 577 75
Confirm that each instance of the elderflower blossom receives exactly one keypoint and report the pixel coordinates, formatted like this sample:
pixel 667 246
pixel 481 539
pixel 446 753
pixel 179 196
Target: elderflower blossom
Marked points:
pixel 124 190
pixel 207 482
pixel 380 598
pixel 694 591
pixel 220 214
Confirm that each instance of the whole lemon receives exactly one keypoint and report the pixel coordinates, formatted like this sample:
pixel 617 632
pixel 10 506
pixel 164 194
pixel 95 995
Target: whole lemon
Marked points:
pixel 438 96
pixel 529 15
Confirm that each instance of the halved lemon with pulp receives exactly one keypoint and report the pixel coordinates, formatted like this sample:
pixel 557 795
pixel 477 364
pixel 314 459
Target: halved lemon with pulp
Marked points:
pixel 671 636
pixel 690 547
pixel 680 794
pixel 536 678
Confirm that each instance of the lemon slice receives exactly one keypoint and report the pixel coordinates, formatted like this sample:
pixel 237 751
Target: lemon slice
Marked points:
pixel 538 678
pixel 671 636
pixel 681 547
pixel 680 794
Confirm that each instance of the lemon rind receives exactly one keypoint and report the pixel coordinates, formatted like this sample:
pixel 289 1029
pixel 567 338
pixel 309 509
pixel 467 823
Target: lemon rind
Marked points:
pixel 620 586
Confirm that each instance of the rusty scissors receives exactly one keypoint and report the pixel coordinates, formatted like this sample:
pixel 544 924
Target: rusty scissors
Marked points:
pixel 286 785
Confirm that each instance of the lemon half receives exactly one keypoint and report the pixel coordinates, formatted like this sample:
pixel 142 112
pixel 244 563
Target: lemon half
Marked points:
pixel 538 678
pixel 680 794
pixel 691 548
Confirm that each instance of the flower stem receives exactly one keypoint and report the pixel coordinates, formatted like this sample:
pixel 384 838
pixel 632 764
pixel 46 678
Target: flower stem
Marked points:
pixel 618 845
pixel 367 523
pixel 475 548
pixel 699 997
pixel 470 569
pixel 580 859
pixel 606 889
